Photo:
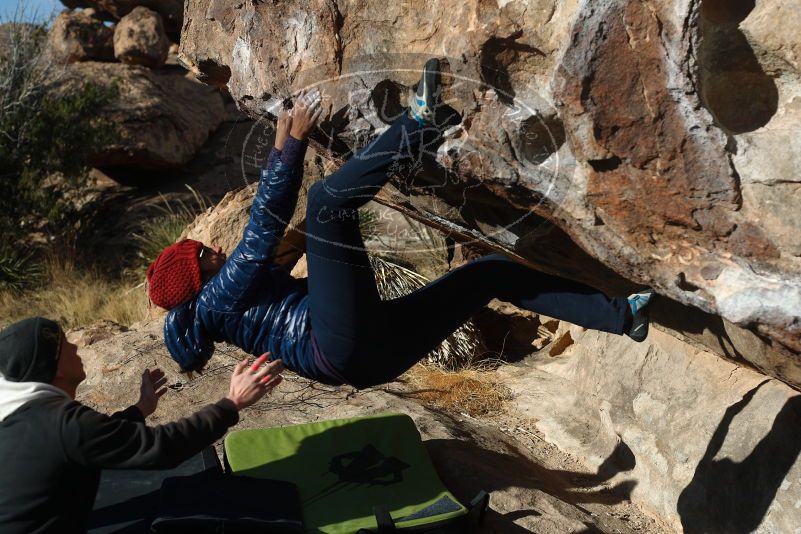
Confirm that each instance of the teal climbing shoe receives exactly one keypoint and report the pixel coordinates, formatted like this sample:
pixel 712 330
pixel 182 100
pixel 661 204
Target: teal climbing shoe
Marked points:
pixel 427 98
pixel 638 303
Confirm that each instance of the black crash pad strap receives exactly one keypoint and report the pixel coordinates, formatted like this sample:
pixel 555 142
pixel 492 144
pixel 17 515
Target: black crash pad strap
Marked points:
pixel 478 507
pixel 383 521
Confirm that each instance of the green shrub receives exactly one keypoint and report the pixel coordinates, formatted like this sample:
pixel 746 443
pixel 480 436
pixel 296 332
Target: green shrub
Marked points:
pixel 40 134
pixel 18 270
pixel 65 131
pixel 75 296
pixel 368 223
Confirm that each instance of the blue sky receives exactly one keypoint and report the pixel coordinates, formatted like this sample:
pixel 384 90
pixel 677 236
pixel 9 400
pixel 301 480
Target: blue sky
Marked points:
pixel 42 8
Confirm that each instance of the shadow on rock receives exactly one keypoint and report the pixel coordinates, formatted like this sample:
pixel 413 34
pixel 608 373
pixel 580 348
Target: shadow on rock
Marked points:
pixel 467 467
pixel 733 497
pixel 734 86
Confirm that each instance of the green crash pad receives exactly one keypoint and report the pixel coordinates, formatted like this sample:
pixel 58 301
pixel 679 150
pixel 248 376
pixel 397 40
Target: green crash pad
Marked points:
pixel 345 467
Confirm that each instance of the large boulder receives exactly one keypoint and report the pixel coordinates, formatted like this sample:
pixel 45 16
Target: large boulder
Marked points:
pixel 163 117
pixel 139 39
pixel 81 36
pixel 172 11
pixel 616 142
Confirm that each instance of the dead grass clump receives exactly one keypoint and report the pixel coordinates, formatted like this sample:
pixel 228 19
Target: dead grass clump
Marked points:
pixel 75 297
pixel 469 391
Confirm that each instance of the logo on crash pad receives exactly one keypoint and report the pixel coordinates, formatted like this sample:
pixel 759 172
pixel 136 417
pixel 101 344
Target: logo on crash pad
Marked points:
pixel 367 466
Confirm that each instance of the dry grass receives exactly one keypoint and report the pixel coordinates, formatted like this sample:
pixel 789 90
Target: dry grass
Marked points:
pixel 472 391
pixel 166 228
pixel 76 297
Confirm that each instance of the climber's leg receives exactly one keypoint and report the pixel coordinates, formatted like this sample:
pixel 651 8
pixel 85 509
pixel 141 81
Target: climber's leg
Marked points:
pixel 410 138
pixel 342 292
pixel 399 147
pixel 413 325
pixel 342 288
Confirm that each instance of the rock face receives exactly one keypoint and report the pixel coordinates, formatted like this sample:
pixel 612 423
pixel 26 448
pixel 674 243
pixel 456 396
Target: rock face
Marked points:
pixel 709 446
pixel 172 11
pixel 139 39
pixel 665 137
pixel 81 36
pixel 637 143
pixel 163 117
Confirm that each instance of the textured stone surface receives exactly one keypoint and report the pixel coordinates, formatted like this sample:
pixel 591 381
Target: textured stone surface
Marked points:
pixel 81 36
pixel 535 487
pixel 172 11
pixel 163 116
pixel 656 136
pixel 710 446
pixel 697 441
pixel 663 174
pixel 139 39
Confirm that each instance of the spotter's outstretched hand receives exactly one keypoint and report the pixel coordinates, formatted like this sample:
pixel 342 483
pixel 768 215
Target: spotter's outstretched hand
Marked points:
pixel 251 382
pixel 151 390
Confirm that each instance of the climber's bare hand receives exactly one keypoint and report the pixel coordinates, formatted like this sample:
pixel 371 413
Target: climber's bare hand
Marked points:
pixel 306 113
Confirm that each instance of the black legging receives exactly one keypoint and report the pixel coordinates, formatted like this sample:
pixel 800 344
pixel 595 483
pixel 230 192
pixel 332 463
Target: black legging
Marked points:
pixel 370 341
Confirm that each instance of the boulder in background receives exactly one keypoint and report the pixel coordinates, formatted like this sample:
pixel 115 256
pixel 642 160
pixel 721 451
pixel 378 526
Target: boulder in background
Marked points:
pixel 172 11
pixel 139 39
pixel 163 117
pixel 81 36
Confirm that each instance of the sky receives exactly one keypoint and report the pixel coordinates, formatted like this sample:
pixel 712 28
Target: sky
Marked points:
pixel 41 8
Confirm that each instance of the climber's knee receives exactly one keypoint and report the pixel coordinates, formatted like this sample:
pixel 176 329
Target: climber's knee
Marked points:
pixel 324 204
pixel 317 199
pixel 322 198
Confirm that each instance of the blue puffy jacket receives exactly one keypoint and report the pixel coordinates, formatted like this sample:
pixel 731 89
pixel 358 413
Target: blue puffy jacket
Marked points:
pixel 252 302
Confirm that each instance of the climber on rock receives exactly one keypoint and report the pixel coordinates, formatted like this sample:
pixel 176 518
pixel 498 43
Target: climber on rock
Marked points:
pixel 333 327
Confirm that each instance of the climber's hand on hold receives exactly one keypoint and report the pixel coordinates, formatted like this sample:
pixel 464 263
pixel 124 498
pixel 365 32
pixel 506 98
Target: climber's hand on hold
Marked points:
pixel 306 113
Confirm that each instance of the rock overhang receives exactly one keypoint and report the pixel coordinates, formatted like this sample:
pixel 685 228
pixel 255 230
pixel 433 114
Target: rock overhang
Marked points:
pixel 620 96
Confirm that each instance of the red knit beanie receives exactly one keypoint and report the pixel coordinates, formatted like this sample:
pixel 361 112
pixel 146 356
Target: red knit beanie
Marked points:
pixel 175 275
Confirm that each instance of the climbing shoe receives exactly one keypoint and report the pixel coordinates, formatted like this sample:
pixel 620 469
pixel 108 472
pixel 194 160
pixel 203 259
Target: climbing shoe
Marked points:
pixel 427 98
pixel 638 304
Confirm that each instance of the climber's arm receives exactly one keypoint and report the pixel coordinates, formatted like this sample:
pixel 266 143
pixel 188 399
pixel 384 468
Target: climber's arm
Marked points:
pixel 250 264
